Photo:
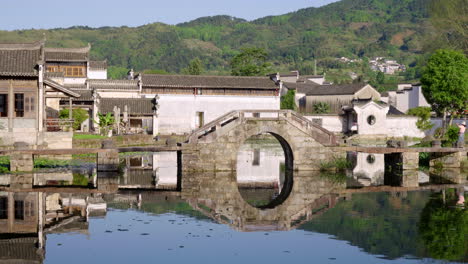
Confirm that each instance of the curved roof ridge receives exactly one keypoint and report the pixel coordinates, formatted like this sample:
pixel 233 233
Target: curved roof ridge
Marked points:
pixel 77 50
pixel 204 76
pixel 22 46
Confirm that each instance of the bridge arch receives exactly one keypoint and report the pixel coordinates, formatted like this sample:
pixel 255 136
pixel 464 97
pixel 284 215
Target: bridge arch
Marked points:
pixel 214 147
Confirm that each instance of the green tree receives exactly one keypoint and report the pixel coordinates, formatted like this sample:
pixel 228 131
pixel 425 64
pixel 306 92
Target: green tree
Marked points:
pixel 117 73
pixel 79 115
pixel 250 62
pixel 105 123
pixel 445 82
pixel 443 229
pixel 321 108
pixel 155 72
pixel 424 114
pixel 195 67
pixel 380 78
pixel 288 100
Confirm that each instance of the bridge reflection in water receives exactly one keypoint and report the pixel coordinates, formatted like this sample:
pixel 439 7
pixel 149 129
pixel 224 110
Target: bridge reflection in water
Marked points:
pixel 261 196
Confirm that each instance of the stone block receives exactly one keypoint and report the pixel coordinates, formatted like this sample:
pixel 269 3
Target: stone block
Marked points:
pixel 108 160
pixel 410 160
pixel 447 160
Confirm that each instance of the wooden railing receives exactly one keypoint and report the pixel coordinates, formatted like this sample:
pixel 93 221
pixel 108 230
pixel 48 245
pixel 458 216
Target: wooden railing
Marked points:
pixel 318 132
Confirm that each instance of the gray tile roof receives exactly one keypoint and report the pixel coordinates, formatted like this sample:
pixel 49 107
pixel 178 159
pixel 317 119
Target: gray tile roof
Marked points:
pixel 113 84
pixel 135 106
pixel 98 65
pixel 20 59
pixel 200 81
pixel 60 87
pixel 342 89
pixel 85 95
pixel 67 54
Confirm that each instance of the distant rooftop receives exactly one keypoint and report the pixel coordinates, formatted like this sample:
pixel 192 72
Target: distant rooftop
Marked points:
pixel 200 81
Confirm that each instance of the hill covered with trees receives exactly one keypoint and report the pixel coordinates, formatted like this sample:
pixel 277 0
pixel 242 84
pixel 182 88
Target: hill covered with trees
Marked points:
pixel 395 29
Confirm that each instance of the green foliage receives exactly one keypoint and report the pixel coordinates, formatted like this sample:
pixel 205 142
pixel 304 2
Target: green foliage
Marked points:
pixel 250 62
pixel 445 81
pixel 79 115
pixel 155 72
pixel 194 68
pixel 50 163
pixel 380 77
pixel 288 100
pixel 105 122
pixel 449 18
pixel 321 108
pixel 424 117
pixel 116 72
pixel 87 136
pixel 452 135
pixel 337 164
pixel 350 28
pixel 443 230
pixel 80 179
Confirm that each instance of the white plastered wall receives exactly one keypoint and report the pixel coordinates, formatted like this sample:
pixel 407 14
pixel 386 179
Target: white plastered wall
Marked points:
pixel 178 113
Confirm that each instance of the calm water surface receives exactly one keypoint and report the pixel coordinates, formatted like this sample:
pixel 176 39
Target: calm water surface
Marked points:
pixel 142 216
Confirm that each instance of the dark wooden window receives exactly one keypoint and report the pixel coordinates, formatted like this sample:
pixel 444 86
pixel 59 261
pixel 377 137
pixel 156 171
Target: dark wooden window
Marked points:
pixel 19 210
pixel 19 105
pixel 256 157
pixel 3 105
pixel 3 208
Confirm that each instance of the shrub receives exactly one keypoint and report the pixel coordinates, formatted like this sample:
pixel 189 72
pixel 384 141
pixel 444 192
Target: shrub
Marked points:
pixel 451 135
pixel 321 108
pixel 287 101
pixel 79 115
pixel 424 114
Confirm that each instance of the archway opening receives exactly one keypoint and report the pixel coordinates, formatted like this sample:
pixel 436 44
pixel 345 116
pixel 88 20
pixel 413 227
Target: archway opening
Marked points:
pixel 265 170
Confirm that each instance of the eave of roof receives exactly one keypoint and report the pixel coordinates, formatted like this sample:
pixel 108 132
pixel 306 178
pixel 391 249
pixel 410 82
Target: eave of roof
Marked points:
pixel 60 88
pixel 204 81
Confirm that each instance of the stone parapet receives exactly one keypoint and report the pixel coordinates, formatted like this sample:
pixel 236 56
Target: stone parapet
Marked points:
pixel 448 160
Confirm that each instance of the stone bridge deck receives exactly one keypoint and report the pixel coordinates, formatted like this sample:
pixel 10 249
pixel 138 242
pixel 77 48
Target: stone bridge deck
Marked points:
pixel 214 146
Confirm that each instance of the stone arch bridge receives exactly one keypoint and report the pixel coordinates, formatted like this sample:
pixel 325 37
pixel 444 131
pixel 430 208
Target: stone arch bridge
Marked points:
pixel 214 146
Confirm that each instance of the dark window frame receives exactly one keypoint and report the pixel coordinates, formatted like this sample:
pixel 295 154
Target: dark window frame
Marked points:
pixel 19 104
pixel 4 105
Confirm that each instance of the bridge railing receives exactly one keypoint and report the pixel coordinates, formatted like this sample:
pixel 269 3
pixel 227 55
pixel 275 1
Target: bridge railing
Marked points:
pixel 322 135
pixel 212 126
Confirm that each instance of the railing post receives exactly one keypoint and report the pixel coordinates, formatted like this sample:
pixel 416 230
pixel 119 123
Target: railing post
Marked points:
pixel 241 116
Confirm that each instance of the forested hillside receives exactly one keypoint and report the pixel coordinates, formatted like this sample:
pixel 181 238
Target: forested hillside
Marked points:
pixel 350 28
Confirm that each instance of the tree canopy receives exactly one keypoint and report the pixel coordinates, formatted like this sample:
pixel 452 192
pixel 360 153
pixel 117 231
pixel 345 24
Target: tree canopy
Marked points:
pixel 250 62
pixel 195 67
pixel 445 81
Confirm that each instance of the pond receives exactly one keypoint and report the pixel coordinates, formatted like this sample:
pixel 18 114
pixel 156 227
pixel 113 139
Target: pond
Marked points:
pixel 263 212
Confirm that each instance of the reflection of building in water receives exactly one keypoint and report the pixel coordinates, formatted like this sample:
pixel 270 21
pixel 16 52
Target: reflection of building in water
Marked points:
pixel 259 165
pixel 156 171
pixel 369 169
pixel 26 217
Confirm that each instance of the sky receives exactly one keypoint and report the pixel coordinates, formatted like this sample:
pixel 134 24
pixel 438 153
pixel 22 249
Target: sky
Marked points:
pixel 46 14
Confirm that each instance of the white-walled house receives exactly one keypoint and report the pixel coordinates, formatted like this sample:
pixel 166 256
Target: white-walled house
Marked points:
pixel 407 96
pixel 187 102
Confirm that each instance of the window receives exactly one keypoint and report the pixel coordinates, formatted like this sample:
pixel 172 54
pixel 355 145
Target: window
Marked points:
pixel 3 208
pixel 68 71
pixel 19 105
pixel 3 105
pixel 256 157
pixel 370 159
pixel 19 210
pixel 256 115
pixel 371 120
